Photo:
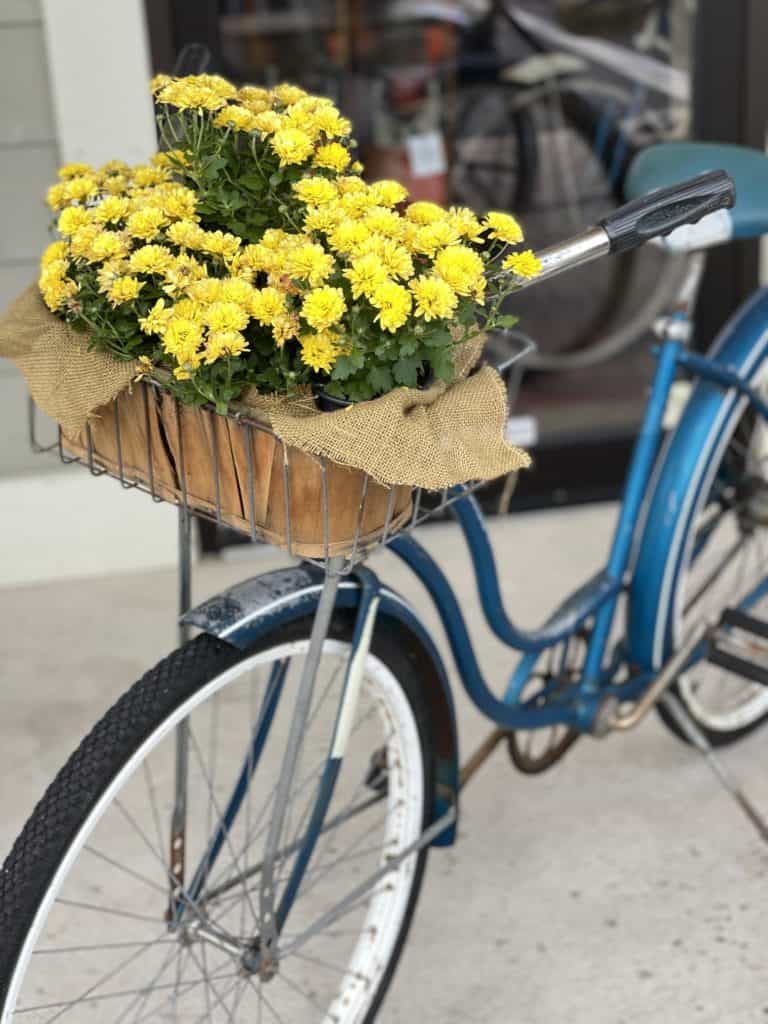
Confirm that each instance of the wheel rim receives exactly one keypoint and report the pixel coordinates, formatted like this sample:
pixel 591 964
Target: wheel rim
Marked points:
pixel 99 939
pixel 734 557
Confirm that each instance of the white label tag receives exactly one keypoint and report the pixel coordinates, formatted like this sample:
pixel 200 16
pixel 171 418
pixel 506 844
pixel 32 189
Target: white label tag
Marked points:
pixel 426 154
pixel 522 431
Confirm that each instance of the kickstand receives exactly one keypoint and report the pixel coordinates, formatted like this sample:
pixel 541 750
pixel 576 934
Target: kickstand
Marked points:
pixel 679 712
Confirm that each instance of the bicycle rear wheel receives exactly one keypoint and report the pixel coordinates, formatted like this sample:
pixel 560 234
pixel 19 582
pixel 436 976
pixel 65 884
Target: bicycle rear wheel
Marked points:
pixel 86 891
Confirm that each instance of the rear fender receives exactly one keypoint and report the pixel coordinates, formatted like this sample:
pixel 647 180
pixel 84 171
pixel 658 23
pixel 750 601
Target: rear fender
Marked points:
pixel 248 611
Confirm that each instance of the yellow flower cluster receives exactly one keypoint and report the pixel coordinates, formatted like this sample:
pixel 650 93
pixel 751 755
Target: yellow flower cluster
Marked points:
pixel 298 126
pixel 136 239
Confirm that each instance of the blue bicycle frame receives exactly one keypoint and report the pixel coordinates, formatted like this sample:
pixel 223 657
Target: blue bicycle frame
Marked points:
pixel 662 493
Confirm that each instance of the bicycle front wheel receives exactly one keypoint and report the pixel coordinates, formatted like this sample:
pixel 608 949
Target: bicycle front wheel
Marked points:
pixel 92 914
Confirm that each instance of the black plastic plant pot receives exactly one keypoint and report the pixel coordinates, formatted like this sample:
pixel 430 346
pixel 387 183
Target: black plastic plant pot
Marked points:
pixel 330 403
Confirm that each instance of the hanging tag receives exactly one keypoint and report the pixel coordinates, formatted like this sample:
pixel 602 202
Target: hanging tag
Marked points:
pixel 426 154
pixel 522 431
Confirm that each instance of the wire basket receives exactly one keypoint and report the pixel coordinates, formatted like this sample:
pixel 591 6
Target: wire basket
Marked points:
pixel 235 471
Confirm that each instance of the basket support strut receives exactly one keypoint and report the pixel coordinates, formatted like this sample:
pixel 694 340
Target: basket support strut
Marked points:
pixel 179 815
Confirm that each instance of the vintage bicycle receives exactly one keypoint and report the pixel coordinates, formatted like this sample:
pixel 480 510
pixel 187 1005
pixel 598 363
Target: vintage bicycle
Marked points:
pixel 245 833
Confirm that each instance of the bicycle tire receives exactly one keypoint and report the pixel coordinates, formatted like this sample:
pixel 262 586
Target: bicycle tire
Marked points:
pixel 44 843
pixel 725 726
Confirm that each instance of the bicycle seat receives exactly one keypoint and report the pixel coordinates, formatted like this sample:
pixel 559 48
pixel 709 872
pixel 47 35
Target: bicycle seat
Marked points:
pixel 671 162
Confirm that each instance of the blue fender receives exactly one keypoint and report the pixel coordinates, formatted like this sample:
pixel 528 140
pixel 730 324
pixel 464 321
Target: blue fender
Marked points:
pixel 682 479
pixel 248 611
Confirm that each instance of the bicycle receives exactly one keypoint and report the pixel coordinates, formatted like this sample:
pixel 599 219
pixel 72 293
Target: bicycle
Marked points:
pixel 268 793
pixel 552 136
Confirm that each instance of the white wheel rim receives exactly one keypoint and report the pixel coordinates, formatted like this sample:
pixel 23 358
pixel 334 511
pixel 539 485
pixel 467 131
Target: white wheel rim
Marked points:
pixel 405 809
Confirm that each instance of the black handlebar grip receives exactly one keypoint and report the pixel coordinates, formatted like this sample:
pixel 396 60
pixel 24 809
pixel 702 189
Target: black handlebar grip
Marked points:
pixel 665 209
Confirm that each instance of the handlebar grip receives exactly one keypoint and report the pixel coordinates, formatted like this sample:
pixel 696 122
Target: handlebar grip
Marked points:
pixel 665 209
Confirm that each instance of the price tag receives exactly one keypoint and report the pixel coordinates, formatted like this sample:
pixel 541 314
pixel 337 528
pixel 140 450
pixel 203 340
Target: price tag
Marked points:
pixel 426 154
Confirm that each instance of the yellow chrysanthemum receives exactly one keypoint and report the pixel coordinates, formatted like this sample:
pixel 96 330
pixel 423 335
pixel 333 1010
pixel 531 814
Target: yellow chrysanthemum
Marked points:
pixel 466 223
pixel 223 343
pixel 146 176
pixel 365 275
pixel 80 188
pixel 254 97
pixel 226 316
pixel 146 224
pixel 524 264
pixel 235 289
pixel 221 243
pixel 181 338
pixel 323 307
pixel 206 290
pixel 237 117
pixel 460 267
pixel 357 204
pixel 320 350
pixel 267 305
pixel 109 272
pixel 181 273
pixel 328 119
pixel 124 289
pixel 150 259
pixel 53 253
pixel 82 239
pixel 315 191
pixel 156 319
pixel 115 185
pixel 197 92
pixel 504 227
pixel 310 263
pixel 56 196
pixel 389 193
pixel 170 158
pixel 431 237
pixel 332 156
pixel 268 122
pixel 434 298
pixel 393 303
pixel 71 219
pixel 423 212
pixel 74 170
pixel 322 218
pixel 348 236
pixel 382 221
pixel 186 234
pixel 107 245
pixel 57 291
pixel 178 203
pixel 111 210
pixel 292 146
pixel 287 93
pixel 285 327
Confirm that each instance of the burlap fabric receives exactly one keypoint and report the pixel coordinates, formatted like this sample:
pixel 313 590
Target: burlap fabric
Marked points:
pixel 434 438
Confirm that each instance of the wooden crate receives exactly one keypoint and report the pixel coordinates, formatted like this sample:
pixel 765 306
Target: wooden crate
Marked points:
pixel 193 455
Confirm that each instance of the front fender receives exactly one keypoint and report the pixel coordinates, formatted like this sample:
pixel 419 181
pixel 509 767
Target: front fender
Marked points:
pixel 248 611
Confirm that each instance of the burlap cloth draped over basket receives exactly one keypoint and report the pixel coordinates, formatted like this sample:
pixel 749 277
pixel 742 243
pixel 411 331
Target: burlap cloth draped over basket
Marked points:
pixel 434 439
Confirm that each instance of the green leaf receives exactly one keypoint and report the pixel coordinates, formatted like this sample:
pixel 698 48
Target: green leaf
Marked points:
pixel 441 361
pixel 438 338
pixel 380 379
pixel 275 178
pixel 406 371
pixel 506 320
pixel 408 345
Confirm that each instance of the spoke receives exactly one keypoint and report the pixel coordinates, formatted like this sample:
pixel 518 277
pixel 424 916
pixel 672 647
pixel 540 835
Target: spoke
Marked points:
pixel 104 979
pixel 108 910
pixel 343 971
pixel 263 998
pixel 152 790
pixel 141 1000
pixel 128 871
pixel 188 987
pixel 209 986
pixel 186 895
pixel 296 988
pixel 50 950
pixel 219 814
pixel 118 995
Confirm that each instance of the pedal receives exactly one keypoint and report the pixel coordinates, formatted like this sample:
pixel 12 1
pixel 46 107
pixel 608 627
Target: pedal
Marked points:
pixel 737 647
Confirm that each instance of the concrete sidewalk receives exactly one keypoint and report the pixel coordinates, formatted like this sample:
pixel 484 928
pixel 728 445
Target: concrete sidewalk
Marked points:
pixel 622 886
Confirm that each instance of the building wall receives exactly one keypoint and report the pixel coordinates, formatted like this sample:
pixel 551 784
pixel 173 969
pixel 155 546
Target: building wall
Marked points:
pixel 28 161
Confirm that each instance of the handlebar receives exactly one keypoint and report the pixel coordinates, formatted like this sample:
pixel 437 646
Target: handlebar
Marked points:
pixel 657 213
pixel 665 209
